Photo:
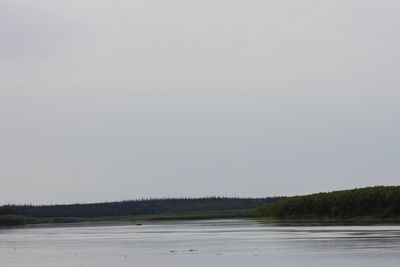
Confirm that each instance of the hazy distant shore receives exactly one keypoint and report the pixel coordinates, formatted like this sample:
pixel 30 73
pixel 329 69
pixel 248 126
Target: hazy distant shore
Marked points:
pixel 371 204
pixel 224 214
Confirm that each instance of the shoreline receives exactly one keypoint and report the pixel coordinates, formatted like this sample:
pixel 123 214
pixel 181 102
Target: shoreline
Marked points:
pixel 142 219
pixel 15 220
pixel 355 220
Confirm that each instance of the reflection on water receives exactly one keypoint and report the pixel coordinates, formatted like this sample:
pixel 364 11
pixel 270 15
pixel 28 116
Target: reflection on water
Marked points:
pixel 201 243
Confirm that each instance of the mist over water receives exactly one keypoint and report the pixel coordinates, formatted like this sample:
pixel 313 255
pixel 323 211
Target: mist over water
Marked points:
pixel 201 243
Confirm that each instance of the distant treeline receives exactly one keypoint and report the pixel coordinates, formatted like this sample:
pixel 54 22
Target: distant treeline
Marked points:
pixel 379 202
pixel 137 207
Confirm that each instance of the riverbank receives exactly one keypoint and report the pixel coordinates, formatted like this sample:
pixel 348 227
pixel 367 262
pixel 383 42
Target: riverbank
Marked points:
pixel 379 203
pixel 328 220
pixel 8 220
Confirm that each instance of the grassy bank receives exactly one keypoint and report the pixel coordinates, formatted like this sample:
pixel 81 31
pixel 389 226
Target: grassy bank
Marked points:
pixel 327 220
pixel 11 219
pixel 224 214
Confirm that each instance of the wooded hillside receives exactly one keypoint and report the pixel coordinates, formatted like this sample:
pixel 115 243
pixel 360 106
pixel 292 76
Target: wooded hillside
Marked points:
pixel 378 202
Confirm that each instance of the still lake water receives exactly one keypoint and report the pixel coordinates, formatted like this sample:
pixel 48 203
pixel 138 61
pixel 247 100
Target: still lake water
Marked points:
pixel 200 243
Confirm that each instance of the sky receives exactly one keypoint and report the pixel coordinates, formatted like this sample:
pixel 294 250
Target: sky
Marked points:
pixel 112 100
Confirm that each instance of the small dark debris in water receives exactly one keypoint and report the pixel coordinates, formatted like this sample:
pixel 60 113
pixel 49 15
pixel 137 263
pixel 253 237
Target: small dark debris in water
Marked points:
pixel 138 224
pixel 172 251
pixel 191 250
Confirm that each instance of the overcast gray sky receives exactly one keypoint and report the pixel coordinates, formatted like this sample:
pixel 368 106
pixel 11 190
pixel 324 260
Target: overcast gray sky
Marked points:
pixel 112 100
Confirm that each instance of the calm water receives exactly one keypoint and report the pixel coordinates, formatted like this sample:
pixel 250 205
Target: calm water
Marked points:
pixel 201 243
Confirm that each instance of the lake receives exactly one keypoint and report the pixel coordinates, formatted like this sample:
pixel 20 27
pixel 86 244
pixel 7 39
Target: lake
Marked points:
pixel 200 243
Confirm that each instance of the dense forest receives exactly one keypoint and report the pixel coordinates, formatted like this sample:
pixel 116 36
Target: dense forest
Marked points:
pixel 137 207
pixel 380 202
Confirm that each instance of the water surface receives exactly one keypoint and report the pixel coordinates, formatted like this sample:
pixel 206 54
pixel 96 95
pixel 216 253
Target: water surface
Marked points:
pixel 200 243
